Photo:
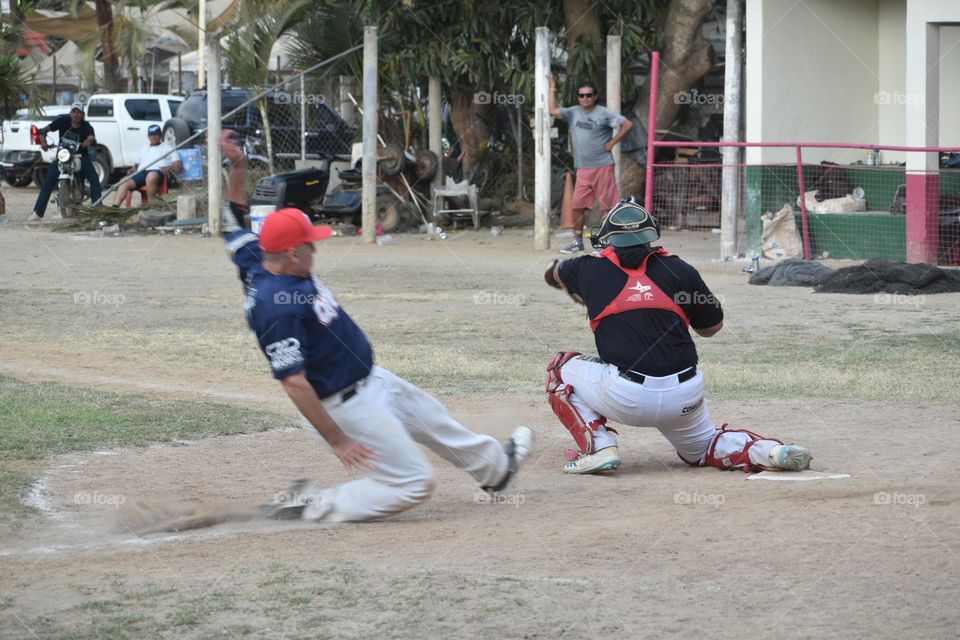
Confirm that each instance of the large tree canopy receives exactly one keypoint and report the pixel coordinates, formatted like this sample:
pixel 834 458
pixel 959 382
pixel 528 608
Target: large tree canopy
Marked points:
pixel 487 47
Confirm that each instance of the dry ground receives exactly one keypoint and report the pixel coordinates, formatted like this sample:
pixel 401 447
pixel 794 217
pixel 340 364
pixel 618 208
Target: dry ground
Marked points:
pixel 656 550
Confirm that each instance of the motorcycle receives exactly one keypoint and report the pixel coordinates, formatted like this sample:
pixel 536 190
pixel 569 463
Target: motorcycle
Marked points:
pixel 70 190
pixel 70 183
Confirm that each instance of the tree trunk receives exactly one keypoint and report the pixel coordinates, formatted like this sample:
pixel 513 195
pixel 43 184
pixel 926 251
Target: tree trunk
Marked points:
pixel 581 20
pixel 111 63
pixel 686 57
pixel 471 123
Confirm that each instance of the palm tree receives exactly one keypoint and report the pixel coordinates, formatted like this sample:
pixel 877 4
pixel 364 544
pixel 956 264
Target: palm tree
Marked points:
pixel 259 24
pixel 16 84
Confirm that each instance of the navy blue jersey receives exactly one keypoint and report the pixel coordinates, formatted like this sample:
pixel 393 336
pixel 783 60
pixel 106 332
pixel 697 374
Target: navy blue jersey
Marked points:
pixel 298 323
pixel 653 342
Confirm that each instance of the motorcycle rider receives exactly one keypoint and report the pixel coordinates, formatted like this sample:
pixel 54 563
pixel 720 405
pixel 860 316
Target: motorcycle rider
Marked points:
pixel 70 127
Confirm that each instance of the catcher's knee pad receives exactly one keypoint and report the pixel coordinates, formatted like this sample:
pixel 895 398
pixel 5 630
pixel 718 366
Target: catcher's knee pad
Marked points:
pixel 554 379
pixel 559 394
pixel 738 459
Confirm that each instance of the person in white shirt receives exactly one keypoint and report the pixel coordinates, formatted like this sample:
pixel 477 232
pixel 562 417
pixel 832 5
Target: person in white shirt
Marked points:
pixel 153 164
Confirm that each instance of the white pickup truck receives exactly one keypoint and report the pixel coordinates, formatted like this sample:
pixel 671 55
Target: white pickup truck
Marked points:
pixel 120 121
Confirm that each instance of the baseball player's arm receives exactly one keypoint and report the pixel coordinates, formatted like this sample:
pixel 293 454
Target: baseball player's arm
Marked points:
pixel 236 192
pixel 709 331
pixel 353 455
pixel 552 278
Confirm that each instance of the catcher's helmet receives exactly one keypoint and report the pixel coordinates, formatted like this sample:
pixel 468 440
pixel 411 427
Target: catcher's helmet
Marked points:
pixel 627 225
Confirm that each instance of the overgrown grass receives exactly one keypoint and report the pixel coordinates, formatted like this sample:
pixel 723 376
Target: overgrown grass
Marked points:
pixel 38 420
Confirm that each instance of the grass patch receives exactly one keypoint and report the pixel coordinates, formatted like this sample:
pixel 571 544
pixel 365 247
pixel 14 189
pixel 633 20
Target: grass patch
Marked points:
pixel 38 420
pixel 12 486
pixel 44 419
pixel 863 366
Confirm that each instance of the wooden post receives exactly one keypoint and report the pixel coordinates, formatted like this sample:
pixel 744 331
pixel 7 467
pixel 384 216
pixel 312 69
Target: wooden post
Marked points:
pixel 435 120
pixel 613 91
pixel 214 158
pixel 731 173
pixel 369 192
pixel 541 143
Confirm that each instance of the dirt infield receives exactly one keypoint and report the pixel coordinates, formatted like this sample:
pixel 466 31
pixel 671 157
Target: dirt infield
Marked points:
pixel 655 550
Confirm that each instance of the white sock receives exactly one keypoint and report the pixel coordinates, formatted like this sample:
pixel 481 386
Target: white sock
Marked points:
pixel 603 439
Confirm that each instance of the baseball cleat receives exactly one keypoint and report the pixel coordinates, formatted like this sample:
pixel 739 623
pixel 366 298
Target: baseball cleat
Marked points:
pixel 289 504
pixel 518 449
pixel 606 459
pixel 574 247
pixel 790 457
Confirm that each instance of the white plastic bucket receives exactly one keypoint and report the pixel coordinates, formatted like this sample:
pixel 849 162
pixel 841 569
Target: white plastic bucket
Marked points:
pixel 259 213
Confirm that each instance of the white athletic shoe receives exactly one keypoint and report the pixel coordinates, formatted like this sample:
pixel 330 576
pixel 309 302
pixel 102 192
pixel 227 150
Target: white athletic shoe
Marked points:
pixel 301 500
pixel 34 218
pixel 54 215
pixel 606 459
pixel 518 449
pixel 790 457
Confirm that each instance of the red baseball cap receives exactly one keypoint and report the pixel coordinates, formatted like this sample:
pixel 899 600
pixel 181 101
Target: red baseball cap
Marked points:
pixel 288 228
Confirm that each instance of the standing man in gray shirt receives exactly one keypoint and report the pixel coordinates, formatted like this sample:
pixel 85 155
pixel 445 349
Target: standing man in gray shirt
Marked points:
pixel 591 134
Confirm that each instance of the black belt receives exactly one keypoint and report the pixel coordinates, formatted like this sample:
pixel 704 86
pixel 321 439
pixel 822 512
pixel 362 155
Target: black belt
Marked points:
pixel 633 376
pixel 347 392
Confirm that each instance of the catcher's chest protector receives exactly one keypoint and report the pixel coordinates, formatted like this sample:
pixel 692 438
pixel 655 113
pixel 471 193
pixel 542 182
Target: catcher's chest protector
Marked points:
pixel 640 292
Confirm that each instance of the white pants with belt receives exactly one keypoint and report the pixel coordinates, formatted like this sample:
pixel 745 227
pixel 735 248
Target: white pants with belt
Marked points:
pixel 391 416
pixel 677 409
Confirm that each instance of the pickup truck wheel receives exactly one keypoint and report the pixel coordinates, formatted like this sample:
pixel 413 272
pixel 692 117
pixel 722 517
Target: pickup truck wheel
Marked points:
pixel 19 181
pixel 175 131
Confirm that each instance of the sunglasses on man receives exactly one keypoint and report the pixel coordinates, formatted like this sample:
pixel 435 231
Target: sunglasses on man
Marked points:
pixel 586 95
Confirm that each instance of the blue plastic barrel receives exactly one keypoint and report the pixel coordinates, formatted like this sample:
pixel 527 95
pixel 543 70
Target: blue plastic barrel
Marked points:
pixel 192 164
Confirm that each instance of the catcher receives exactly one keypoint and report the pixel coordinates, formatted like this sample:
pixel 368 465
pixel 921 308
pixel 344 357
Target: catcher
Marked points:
pixel 641 302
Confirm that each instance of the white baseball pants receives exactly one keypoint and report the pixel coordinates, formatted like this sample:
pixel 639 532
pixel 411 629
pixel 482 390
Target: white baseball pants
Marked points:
pixel 392 416
pixel 677 409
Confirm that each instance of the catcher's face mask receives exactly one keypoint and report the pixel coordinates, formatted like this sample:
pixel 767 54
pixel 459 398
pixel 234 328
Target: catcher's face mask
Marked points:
pixel 626 225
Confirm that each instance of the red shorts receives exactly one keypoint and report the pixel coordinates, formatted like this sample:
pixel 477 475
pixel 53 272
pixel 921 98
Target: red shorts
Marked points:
pixel 596 184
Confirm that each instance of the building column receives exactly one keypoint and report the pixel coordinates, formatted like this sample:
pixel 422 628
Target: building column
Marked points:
pixel 923 130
